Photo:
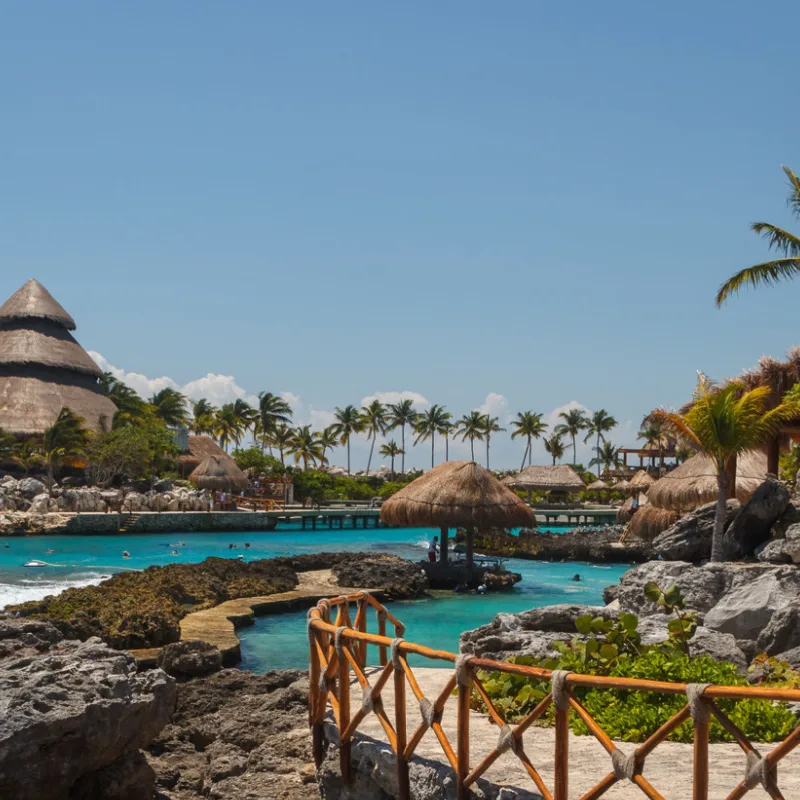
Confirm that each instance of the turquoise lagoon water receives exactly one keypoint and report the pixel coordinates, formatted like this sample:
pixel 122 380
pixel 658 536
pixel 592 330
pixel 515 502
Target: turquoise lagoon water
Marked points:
pixel 280 641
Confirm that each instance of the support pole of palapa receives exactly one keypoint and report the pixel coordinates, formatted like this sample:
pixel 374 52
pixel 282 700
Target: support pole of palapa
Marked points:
pixel 444 530
pixel 470 541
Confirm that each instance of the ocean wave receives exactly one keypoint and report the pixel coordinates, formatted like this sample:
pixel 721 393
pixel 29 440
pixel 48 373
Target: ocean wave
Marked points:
pixel 24 590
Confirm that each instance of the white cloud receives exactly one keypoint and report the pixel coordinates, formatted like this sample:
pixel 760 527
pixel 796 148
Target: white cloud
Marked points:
pixel 293 400
pixel 218 390
pixel 141 384
pixel 495 405
pixel 319 418
pixel 418 401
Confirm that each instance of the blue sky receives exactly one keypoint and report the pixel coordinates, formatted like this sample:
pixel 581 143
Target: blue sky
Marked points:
pixel 525 201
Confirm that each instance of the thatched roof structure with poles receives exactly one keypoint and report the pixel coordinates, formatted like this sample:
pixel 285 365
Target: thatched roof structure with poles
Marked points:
pixel 694 483
pixel 597 486
pixel 219 473
pixel 42 368
pixel 545 478
pixel 621 486
pixel 200 448
pixel 456 494
pixel 640 482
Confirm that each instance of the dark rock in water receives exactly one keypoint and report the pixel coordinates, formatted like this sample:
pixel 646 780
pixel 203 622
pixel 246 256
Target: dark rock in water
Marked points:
pixel 782 632
pixel 689 539
pixel 610 594
pixel 237 735
pixel 190 659
pixel 455 574
pixel 71 711
pixel 752 524
pixel 496 581
pixel 398 577
pixel 596 545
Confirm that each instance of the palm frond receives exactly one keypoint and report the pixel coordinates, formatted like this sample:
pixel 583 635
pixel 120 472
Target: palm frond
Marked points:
pixel 766 274
pixel 777 238
pixel 793 201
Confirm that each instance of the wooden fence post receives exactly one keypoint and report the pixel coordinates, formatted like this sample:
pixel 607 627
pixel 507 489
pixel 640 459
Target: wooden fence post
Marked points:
pixel 464 692
pixel 561 703
pixel 404 791
pixel 343 685
pixel 382 632
pixel 316 700
pixel 701 717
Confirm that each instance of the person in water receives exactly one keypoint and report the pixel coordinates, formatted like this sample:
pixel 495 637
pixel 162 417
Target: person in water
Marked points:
pixel 175 552
pixel 126 554
pixel 576 577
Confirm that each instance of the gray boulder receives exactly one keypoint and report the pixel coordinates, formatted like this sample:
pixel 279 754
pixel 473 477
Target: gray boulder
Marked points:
pixel 782 632
pixel 720 646
pixel 30 487
pixel 190 659
pixel 71 712
pixel 791 516
pixel 756 593
pixel 752 524
pixel 785 550
pixel 792 656
pixel 689 539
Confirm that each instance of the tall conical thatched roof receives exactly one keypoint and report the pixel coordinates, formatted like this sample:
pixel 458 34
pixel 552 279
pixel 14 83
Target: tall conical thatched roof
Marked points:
pixel 456 494
pixel 559 478
pixel 220 473
pixel 597 486
pixel 42 368
pixel 640 482
pixel 694 483
pixel 33 301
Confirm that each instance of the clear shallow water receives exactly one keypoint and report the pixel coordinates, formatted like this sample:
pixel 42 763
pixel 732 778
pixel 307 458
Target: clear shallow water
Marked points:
pixel 280 641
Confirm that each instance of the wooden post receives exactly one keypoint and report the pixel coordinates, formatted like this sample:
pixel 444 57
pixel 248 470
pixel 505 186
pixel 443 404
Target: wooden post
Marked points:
pixel 561 786
pixel 315 700
pixel 382 632
pixel 773 454
pixel 444 545
pixel 464 691
pixel 404 791
pixel 362 646
pixel 700 776
pixel 344 713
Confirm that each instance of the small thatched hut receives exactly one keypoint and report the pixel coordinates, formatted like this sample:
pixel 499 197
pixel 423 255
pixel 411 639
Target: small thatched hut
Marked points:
pixel 42 368
pixel 559 478
pixel 456 494
pixel 620 486
pixel 220 474
pixel 597 486
pixel 199 449
pixel 640 482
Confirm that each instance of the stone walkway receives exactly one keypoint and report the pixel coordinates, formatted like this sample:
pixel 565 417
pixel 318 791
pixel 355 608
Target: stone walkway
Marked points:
pixel 668 768
pixel 218 625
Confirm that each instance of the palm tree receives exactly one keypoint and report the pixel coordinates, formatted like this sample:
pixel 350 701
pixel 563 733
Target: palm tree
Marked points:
pixel 65 438
pixel 607 456
pixel 574 422
pixel 273 410
pixel 600 423
pixel 7 445
pixel 170 406
pixel 305 446
pixel 202 421
pixel 281 438
pixel 245 417
pixel 724 422
pixel 428 424
pixel 328 439
pixel 652 434
pixel 130 407
pixel 348 422
pixel 554 444
pixel 446 429
pixel 391 450
pixel 400 415
pixel 27 455
pixel 375 421
pixel 528 424
pixel 471 426
pixel 778 239
pixel 226 426
pixel 490 425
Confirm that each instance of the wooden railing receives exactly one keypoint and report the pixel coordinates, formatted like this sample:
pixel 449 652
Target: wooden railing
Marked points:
pixel 339 647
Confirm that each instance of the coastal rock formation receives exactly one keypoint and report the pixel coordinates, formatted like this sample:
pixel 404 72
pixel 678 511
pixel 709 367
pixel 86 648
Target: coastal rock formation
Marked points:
pixel 190 659
pixel 237 735
pixel 782 632
pixel 398 577
pixel 73 716
pixel 752 525
pixel 599 545
pixel 689 539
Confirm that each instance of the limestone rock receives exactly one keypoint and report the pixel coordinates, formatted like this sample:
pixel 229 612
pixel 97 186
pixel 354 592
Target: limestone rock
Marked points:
pixel 30 487
pixel 71 712
pixel 785 550
pixel 752 524
pixel 782 632
pixel 400 578
pixel 689 539
pixel 755 594
pixel 190 659
pixel 43 504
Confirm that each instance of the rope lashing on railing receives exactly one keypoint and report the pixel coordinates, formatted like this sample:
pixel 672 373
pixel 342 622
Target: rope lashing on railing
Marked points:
pixel 428 712
pixel 624 765
pixel 507 741
pixel 558 686
pixel 757 771
pixel 698 708
pixel 337 640
pixel 462 669
pixel 394 649
pixel 368 702
pixel 400 629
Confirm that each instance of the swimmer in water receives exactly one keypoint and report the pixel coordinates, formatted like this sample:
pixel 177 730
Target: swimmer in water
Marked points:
pixel 247 545
pixel 240 556
pixel 175 552
pixel 49 552
pixel 576 577
pixel 126 554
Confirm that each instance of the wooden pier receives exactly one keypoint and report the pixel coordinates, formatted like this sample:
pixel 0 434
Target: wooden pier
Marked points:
pixel 330 518
pixel 576 516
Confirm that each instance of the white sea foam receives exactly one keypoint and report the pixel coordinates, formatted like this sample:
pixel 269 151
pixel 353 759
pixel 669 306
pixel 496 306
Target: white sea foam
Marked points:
pixel 24 590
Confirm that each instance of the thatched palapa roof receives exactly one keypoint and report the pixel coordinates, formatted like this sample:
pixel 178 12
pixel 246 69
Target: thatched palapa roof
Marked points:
pixel 640 482
pixel 694 483
pixel 200 448
pixel 559 478
pixel 620 486
pixel 456 494
pixel 42 368
pixel 597 486
pixel 220 473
